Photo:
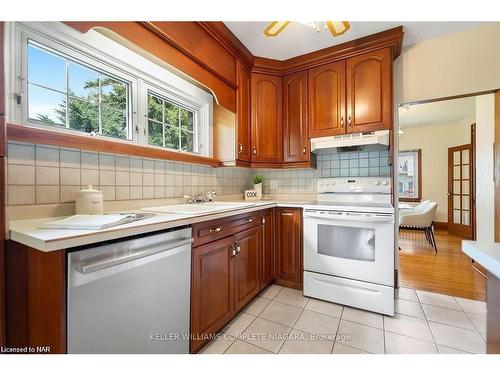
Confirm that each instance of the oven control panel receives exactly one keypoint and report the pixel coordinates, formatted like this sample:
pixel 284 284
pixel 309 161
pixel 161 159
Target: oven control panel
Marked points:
pixel 354 185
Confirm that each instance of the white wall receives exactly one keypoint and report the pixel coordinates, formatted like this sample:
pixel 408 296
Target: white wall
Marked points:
pixel 485 196
pixel 454 64
pixel 434 142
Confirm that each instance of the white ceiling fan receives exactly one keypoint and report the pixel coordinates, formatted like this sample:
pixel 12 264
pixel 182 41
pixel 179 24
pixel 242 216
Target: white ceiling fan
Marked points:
pixel 336 28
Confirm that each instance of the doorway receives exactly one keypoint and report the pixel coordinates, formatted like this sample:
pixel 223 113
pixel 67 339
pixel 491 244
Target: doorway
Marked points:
pixel 460 191
pixel 436 190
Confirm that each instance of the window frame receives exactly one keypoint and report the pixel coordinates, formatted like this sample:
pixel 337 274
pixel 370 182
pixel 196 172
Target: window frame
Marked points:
pixel 48 49
pixel 118 61
pixel 68 53
pixel 198 134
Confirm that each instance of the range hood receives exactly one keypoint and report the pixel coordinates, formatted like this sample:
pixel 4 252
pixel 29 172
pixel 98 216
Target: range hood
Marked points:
pixel 351 142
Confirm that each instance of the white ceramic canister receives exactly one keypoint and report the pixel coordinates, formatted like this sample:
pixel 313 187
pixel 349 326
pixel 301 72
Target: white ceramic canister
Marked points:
pixel 89 202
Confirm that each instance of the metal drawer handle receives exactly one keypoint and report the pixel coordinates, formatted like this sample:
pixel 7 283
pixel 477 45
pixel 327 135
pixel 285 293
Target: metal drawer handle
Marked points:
pixel 233 251
pixel 248 221
pixel 350 121
pixel 238 248
pixel 342 121
pixel 215 230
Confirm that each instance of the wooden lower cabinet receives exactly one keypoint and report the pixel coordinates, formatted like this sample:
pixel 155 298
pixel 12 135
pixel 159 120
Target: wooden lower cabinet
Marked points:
pixel 35 297
pixel 225 276
pixel 267 251
pixel 246 267
pixel 289 263
pixel 212 304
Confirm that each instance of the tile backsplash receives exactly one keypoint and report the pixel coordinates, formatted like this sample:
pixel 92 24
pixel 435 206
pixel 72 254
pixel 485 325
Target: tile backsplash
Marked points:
pixel 39 174
pixel 344 164
pixel 42 174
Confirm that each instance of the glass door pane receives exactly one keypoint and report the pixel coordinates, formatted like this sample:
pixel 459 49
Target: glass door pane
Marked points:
pixel 466 217
pixel 465 157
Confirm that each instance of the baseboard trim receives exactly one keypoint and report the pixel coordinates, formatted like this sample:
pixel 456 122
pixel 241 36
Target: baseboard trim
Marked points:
pixel 288 284
pixel 441 225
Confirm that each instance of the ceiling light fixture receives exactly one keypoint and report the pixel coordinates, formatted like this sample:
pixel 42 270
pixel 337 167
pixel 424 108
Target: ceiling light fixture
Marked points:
pixel 275 27
pixel 336 28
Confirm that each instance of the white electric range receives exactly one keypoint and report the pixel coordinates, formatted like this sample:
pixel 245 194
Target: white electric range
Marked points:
pixel 349 243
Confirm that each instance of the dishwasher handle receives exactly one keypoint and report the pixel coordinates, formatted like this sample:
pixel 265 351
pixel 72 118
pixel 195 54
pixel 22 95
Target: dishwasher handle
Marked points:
pixel 112 261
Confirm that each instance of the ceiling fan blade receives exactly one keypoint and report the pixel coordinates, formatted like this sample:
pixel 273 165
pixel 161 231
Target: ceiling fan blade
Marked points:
pixel 338 28
pixel 275 27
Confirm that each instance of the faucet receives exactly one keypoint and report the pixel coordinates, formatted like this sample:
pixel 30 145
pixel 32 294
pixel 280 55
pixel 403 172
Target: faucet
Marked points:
pixel 210 196
pixel 201 198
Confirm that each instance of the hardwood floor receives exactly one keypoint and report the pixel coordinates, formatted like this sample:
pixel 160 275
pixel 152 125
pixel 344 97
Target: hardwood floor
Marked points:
pixel 448 271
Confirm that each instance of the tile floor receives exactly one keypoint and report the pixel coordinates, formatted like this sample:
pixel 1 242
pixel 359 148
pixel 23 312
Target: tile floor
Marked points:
pixel 282 320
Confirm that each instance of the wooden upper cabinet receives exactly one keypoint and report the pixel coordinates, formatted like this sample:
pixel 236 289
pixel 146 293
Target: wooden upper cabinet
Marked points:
pixel 211 289
pixel 246 264
pixel 369 91
pixel 326 90
pixel 244 142
pixel 267 140
pixel 295 132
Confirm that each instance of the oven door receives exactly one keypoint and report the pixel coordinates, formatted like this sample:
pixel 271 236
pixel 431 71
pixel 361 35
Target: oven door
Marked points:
pixel 353 245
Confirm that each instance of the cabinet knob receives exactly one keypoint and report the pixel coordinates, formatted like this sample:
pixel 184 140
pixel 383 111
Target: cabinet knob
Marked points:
pixel 304 150
pixel 342 121
pixel 263 220
pixel 349 121
pixel 246 221
pixel 240 148
pixel 254 150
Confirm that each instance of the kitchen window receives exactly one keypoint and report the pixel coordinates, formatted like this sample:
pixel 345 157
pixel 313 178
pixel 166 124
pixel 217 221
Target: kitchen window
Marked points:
pixel 410 175
pixel 67 94
pixel 171 125
pixel 59 79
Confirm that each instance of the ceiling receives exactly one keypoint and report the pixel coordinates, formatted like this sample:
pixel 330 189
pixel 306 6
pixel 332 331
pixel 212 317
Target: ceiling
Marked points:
pixel 298 39
pixel 437 113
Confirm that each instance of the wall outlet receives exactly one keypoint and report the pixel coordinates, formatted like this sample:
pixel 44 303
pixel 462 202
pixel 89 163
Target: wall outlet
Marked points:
pixel 274 184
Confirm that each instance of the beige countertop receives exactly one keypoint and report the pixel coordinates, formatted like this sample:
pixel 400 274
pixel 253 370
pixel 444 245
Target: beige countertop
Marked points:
pixel 28 232
pixel 487 254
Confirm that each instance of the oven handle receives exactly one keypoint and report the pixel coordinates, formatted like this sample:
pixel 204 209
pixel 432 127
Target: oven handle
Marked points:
pixel 379 218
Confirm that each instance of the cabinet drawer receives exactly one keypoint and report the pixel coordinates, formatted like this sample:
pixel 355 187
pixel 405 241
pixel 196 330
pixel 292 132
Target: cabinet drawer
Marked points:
pixel 213 230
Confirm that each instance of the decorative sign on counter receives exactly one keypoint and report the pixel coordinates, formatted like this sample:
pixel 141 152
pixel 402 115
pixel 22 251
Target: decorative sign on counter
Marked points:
pixel 251 195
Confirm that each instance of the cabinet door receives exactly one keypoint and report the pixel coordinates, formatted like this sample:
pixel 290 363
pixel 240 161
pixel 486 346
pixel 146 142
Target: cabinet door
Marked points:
pixel 267 140
pixel 289 246
pixel 369 91
pixel 211 289
pixel 246 266
pixel 267 249
pixel 326 105
pixel 295 132
pixel 243 142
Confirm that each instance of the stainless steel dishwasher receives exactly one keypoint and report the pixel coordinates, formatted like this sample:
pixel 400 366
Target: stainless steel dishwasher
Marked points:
pixel 131 296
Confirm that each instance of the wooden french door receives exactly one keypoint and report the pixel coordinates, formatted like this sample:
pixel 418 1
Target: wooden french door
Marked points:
pixel 460 188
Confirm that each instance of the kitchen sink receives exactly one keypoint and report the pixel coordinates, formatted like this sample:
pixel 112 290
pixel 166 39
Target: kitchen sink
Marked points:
pixel 198 208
